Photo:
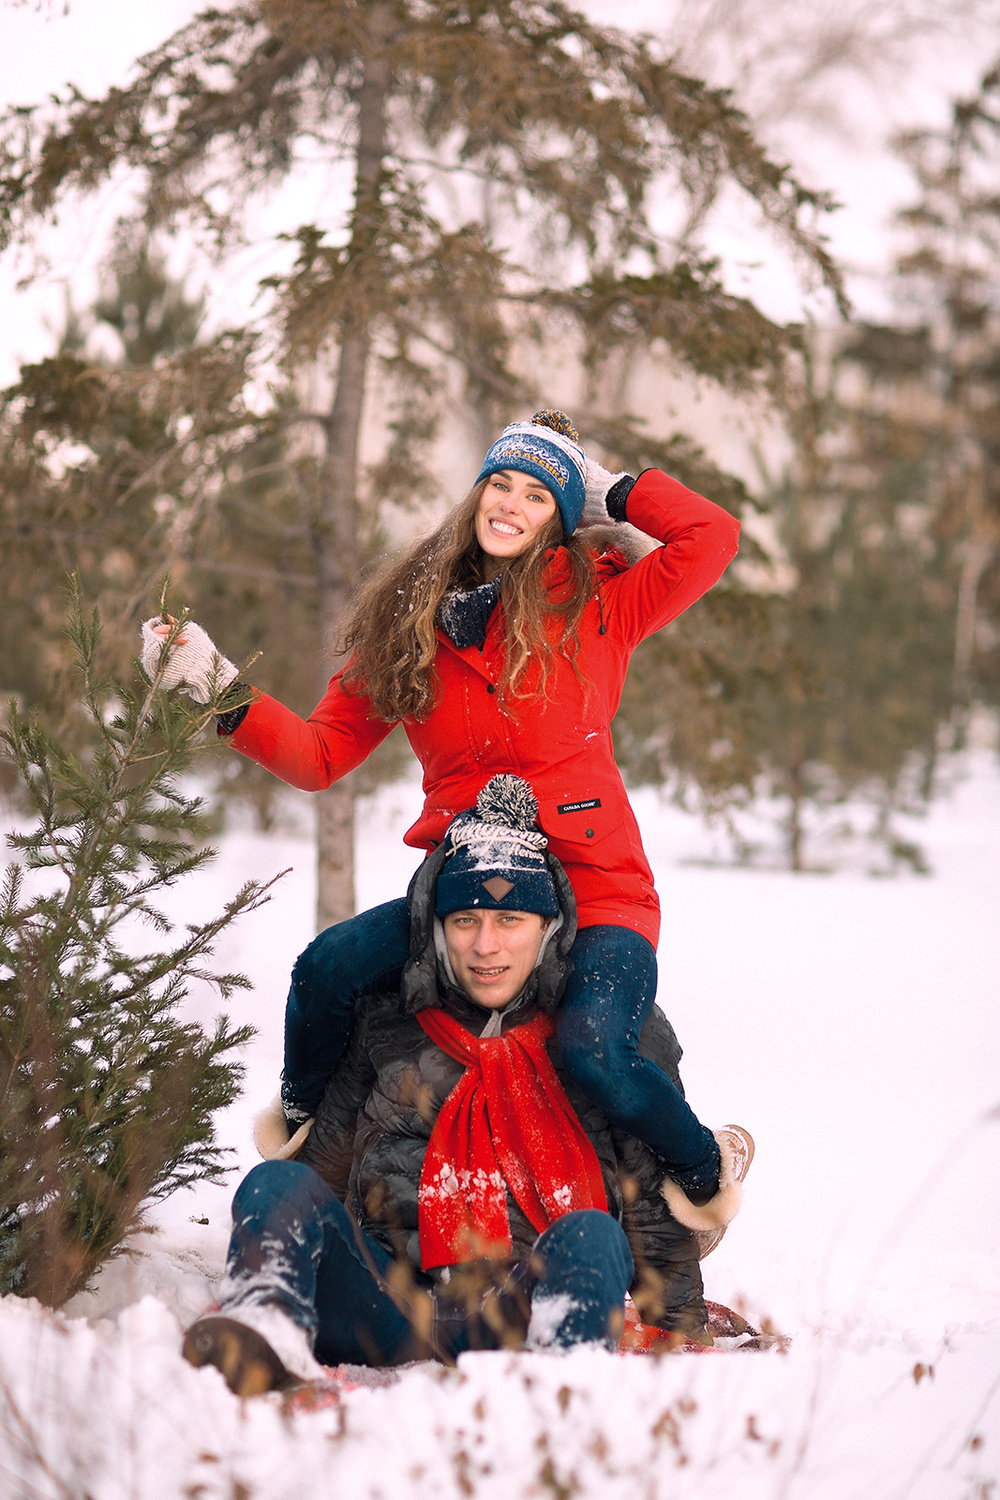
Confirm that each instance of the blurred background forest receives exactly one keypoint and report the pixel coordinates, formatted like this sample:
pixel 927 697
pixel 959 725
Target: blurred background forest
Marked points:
pixel 471 209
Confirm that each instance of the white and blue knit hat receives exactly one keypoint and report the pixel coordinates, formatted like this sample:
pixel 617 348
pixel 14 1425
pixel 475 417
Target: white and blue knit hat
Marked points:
pixel 495 856
pixel 548 448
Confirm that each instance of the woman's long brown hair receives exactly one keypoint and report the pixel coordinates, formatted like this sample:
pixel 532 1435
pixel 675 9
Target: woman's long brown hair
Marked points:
pixel 392 630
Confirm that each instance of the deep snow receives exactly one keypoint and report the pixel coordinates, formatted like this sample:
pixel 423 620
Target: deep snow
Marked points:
pixel 850 1022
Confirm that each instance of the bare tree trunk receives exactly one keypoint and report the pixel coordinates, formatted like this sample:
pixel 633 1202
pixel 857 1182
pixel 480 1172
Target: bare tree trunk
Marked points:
pixel 796 797
pixel 337 542
pixel 335 899
pixel 976 553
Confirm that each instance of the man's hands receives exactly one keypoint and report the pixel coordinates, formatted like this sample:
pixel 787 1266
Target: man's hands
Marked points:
pixel 193 663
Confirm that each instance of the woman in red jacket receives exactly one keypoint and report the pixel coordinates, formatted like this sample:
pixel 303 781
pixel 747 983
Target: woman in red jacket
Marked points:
pixel 501 643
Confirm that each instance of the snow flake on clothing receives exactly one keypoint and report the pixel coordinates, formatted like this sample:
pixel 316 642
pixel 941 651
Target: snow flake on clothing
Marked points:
pixel 506 1126
pixel 491 844
pixel 548 1314
pixel 470 1194
pixel 464 617
pixel 448 1182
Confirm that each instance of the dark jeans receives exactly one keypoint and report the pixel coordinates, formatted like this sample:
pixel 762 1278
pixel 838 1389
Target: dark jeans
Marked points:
pixel 609 995
pixel 295 1246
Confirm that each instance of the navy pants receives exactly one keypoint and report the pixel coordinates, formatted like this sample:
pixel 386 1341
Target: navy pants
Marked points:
pixel 608 997
pixel 295 1246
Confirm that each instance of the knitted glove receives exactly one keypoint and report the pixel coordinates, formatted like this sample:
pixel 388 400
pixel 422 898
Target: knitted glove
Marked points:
pixel 194 663
pixel 272 1137
pixel 605 496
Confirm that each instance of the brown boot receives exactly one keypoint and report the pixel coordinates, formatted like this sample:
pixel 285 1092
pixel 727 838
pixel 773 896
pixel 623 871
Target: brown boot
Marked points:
pixel 248 1363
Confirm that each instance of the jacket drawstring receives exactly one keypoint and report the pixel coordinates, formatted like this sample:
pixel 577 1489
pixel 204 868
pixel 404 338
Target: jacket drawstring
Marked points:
pixel 600 609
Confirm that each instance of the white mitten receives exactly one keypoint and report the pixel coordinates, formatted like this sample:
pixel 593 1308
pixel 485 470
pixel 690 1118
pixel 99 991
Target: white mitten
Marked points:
pixel 270 1133
pixel 611 530
pixel 599 482
pixel 194 663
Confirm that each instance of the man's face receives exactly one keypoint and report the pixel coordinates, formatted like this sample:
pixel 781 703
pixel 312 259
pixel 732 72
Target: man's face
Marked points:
pixel 493 952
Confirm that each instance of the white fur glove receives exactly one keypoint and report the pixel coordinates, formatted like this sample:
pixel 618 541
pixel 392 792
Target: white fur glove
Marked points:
pixel 599 482
pixel 270 1133
pixel 194 663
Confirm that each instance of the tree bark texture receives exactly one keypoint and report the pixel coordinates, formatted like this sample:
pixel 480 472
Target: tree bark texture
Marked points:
pixel 337 542
pixel 975 553
pixel 796 798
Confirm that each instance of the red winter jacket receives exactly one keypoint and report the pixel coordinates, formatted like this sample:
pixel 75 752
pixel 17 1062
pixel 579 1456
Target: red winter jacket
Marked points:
pixel 561 744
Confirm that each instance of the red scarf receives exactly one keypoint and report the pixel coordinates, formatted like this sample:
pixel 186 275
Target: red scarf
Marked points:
pixel 507 1123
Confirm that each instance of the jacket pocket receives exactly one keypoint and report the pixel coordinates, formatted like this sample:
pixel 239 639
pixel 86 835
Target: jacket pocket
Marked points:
pixel 583 821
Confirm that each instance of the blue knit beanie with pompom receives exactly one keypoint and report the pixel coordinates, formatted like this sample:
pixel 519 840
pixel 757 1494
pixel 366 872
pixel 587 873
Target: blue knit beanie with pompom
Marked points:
pixel 548 448
pixel 495 856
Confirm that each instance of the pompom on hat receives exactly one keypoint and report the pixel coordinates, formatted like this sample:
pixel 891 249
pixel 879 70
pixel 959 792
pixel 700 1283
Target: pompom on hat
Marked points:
pixel 548 448
pixel 495 856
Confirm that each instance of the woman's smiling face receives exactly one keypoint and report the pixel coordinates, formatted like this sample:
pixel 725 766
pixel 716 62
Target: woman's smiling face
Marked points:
pixel 512 510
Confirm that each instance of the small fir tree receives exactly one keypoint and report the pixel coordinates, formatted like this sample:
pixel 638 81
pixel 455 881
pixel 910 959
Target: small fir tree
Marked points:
pixel 107 1096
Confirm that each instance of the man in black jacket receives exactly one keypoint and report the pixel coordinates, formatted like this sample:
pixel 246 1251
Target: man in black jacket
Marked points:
pixel 456 1190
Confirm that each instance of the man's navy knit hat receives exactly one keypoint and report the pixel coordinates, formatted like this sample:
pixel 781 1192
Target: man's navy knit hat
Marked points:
pixel 495 856
pixel 548 448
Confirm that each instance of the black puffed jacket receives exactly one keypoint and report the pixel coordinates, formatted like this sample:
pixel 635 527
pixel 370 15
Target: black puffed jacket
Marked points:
pixel 377 1113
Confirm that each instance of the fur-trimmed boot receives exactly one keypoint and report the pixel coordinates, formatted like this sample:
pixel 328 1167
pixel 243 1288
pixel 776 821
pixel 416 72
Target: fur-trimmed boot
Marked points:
pixel 272 1137
pixel 709 1221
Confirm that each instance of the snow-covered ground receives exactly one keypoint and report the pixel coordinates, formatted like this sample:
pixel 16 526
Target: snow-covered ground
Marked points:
pixel 851 1023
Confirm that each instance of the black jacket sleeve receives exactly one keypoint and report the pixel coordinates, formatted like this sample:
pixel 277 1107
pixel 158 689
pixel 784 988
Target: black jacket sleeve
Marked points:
pixel 329 1147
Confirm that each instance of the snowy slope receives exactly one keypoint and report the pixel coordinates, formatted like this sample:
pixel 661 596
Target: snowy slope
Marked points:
pixel 851 1023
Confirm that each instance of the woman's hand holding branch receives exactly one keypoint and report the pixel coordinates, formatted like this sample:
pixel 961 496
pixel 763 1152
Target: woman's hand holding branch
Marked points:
pixel 194 664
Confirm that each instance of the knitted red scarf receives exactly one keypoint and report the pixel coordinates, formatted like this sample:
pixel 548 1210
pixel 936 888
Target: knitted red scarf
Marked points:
pixel 507 1123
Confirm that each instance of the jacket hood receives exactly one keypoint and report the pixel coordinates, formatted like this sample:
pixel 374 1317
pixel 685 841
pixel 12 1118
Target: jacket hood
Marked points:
pixel 421 986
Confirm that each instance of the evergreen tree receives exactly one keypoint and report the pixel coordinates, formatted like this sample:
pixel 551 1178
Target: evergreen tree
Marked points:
pixel 111 472
pixel 148 308
pixel 504 159
pixel 865 627
pixel 888 516
pixel 947 344
pixel 106 1094
pixel 835 686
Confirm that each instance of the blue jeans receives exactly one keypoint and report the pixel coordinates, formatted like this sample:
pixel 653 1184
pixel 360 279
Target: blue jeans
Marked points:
pixel 609 995
pixel 295 1246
